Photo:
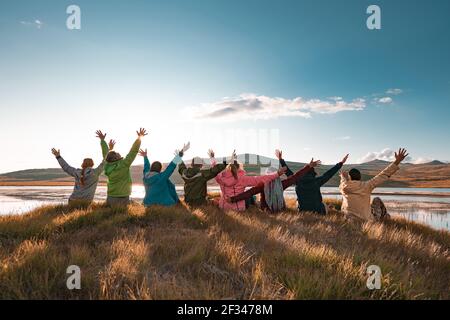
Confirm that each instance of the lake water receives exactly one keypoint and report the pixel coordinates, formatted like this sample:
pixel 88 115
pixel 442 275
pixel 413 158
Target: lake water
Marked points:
pixel 428 206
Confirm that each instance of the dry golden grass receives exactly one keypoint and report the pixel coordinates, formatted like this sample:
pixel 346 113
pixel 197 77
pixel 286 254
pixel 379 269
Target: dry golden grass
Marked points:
pixel 205 253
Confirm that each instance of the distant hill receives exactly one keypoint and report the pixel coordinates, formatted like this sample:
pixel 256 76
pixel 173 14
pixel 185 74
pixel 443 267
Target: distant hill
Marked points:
pixel 435 174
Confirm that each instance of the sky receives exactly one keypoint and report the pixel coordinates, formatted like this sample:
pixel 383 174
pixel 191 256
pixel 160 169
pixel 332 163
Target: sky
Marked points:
pixel 307 77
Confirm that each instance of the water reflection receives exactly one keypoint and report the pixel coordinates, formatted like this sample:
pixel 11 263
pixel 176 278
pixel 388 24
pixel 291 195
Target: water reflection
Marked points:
pixel 433 211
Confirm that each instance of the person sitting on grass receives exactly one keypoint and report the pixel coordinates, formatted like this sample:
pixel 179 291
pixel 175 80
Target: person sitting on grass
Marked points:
pixel 196 179
pixel 234 180
pixel 159 190
pixel 117 169
pixel 356 193
pixel 86 179
pixel 309 197
pixel 271 194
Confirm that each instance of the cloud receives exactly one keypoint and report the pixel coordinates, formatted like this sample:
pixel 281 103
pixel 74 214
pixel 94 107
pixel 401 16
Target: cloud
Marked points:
pixel 388 154
pixel 385 100
pixel 421 160
pixel 394 91
pixel 344 138
pixel 252 106
pixel 36 23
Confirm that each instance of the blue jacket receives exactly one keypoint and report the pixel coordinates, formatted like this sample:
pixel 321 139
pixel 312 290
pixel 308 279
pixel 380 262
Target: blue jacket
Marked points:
pixel 308 190
pixel 159 190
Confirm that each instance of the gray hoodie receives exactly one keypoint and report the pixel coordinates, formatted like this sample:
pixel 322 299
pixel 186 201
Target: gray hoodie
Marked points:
pixel 87 191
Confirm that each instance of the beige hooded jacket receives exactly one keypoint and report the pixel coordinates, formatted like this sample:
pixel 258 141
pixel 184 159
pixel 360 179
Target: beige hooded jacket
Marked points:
pixel 356 194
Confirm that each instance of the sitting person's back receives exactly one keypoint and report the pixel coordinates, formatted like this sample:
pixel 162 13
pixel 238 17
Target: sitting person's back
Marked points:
pixel 308 189
pixel 234 180
pixel 159 190
pixel 196 179
pixel 356 194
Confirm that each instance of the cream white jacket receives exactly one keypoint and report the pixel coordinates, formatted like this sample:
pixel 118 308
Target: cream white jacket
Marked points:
pixel 356 194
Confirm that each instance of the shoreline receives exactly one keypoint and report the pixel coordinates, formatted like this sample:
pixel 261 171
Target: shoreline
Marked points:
pixel 390 192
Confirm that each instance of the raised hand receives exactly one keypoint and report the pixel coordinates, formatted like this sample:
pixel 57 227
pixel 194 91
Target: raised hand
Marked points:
pixel 282 171
pixel 100 134
pixel 400 156
pixel 111 144
pixel 56 153
pixel 344 174
pixel 185 148
pixel 344 160
pixel 279 154
pixel 314 164
pixel 141 133
pixel 233 156
pixel 143 153
pixel 211 153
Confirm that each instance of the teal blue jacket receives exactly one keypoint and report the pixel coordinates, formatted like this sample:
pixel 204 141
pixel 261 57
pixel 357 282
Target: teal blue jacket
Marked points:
pixel 159 190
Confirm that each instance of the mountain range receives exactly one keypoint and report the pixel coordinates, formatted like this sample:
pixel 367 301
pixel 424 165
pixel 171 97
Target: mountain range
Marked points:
pixel 434 174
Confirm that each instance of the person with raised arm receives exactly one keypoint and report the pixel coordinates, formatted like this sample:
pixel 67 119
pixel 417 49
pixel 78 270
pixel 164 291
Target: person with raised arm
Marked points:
pixel 196 179
pixel 309 197
pixel 271 194
pixel 86 179
pixel 356 193
pixel 233 181
pixel 117 169
pixel 159 190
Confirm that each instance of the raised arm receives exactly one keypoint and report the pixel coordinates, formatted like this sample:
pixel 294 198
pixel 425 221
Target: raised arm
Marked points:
pixel 294 178
pixel 215 169
pixel 250 181
pixel 103 144
pixel 389 171
pixel 171 167
pixel 288 171
pixel 279 155
pixel 98 171
pixel 249 193
pixel 331 172
pixel 143 153
pixel 64 165
pixel 135 148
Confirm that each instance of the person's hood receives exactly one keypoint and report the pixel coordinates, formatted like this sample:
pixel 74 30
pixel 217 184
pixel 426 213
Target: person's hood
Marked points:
pixel 110 167
pixel 354 185
pixel 228 179
pixel 308 177
pixel 191 173
pixel 151 174
pixel 113 156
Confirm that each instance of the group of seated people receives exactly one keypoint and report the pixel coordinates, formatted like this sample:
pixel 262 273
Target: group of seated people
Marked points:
pixel 238 189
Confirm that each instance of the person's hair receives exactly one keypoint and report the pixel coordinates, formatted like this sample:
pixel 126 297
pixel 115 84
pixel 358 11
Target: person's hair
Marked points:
pixel 355 174
pixel 234 168
pixel 87 163
pixel 113 156
pixel 156 166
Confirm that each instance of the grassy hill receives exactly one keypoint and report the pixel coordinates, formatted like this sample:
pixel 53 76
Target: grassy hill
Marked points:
pixel 178 253
pixel 434 174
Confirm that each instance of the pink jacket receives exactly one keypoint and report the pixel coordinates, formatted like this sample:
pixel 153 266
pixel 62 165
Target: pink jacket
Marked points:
pixel 231 187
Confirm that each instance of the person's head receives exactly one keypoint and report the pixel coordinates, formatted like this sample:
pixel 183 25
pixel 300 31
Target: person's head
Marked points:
pixel 234 169
pixel 87 163
pixel 113 157
pixel 355 174
pixel 156 167
pixel 309 175
pixel 197 162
